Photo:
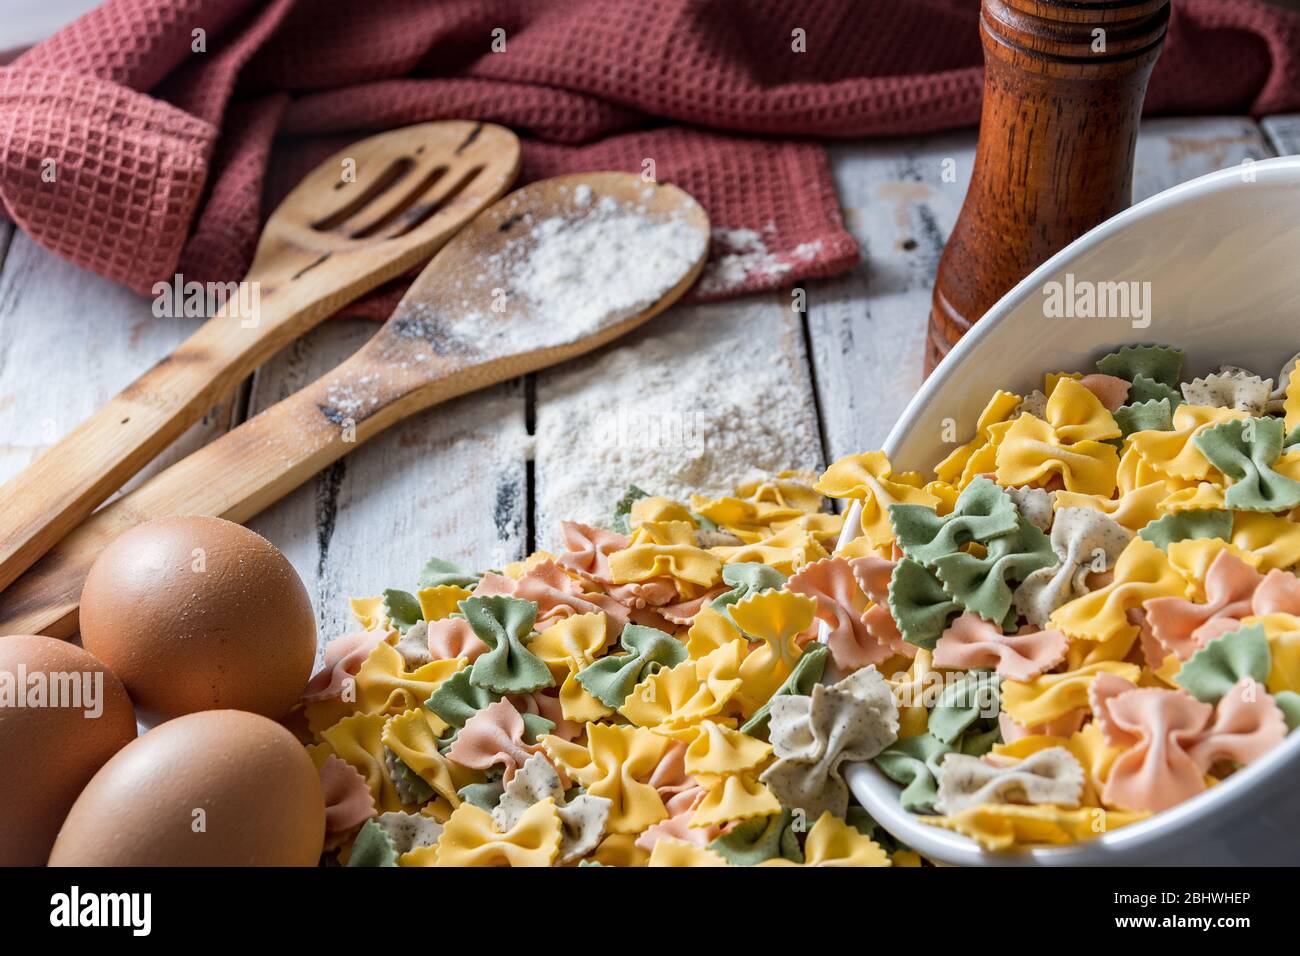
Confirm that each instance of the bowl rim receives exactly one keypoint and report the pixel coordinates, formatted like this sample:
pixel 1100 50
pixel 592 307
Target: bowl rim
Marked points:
pixel 1125 844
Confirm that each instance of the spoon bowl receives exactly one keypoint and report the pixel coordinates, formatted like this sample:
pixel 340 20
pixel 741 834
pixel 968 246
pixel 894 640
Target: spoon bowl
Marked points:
pixel 470 315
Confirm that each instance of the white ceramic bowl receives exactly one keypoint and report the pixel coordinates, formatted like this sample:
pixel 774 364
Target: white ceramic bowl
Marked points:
pixel 1222 255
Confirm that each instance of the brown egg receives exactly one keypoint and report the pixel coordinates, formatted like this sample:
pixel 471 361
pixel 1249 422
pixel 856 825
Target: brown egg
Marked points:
pixel 196 613
pixel 62 715
pixel 217 788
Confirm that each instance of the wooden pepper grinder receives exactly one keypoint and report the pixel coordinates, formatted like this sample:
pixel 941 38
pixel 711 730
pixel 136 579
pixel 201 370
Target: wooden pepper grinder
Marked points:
pixel 1064 82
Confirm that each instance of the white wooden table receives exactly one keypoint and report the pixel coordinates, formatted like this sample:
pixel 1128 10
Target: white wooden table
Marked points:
pixel 465 481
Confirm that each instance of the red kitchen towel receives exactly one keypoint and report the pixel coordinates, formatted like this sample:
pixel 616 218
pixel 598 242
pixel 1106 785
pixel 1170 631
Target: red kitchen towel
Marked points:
pixel 137 142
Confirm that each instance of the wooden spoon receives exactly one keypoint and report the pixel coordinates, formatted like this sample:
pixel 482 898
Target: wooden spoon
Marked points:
pixel 464 324
pixel 362 217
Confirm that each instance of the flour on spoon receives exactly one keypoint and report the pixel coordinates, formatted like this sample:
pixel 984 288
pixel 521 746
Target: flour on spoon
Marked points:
pixel 568 276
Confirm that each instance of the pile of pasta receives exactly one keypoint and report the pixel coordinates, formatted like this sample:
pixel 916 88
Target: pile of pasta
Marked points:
pixel 1089 613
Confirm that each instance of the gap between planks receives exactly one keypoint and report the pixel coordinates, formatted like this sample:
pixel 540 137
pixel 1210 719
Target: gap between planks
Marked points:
pixel 1283 133
pixel 448 482
pixel 822 440
pixel 6 238
pixel 530 464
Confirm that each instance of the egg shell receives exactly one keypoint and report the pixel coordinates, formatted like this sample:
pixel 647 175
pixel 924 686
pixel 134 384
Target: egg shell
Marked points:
pixel 197 613
pixel 48 754
pixel 241 781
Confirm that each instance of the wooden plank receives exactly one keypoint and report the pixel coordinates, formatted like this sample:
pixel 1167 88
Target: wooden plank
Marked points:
pixel 1283 133
pixel 901 199
pixel 867 328
pixel 449 482
pixel 1172 150
pixel 69 341
pixel 699 397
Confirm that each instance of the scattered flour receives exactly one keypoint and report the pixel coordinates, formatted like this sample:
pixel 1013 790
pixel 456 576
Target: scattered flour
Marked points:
pixel 741 254
pixel 679 409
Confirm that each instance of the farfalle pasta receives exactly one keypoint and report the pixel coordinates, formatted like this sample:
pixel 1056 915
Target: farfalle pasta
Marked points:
pixel 812 737
pixel 612 704
pixel 1150 650
pixel 1087 613
pixel 1051 776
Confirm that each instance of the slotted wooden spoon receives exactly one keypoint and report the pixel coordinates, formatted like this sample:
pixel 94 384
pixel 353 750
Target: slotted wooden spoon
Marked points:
pixel 460 327
pixel 362 217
